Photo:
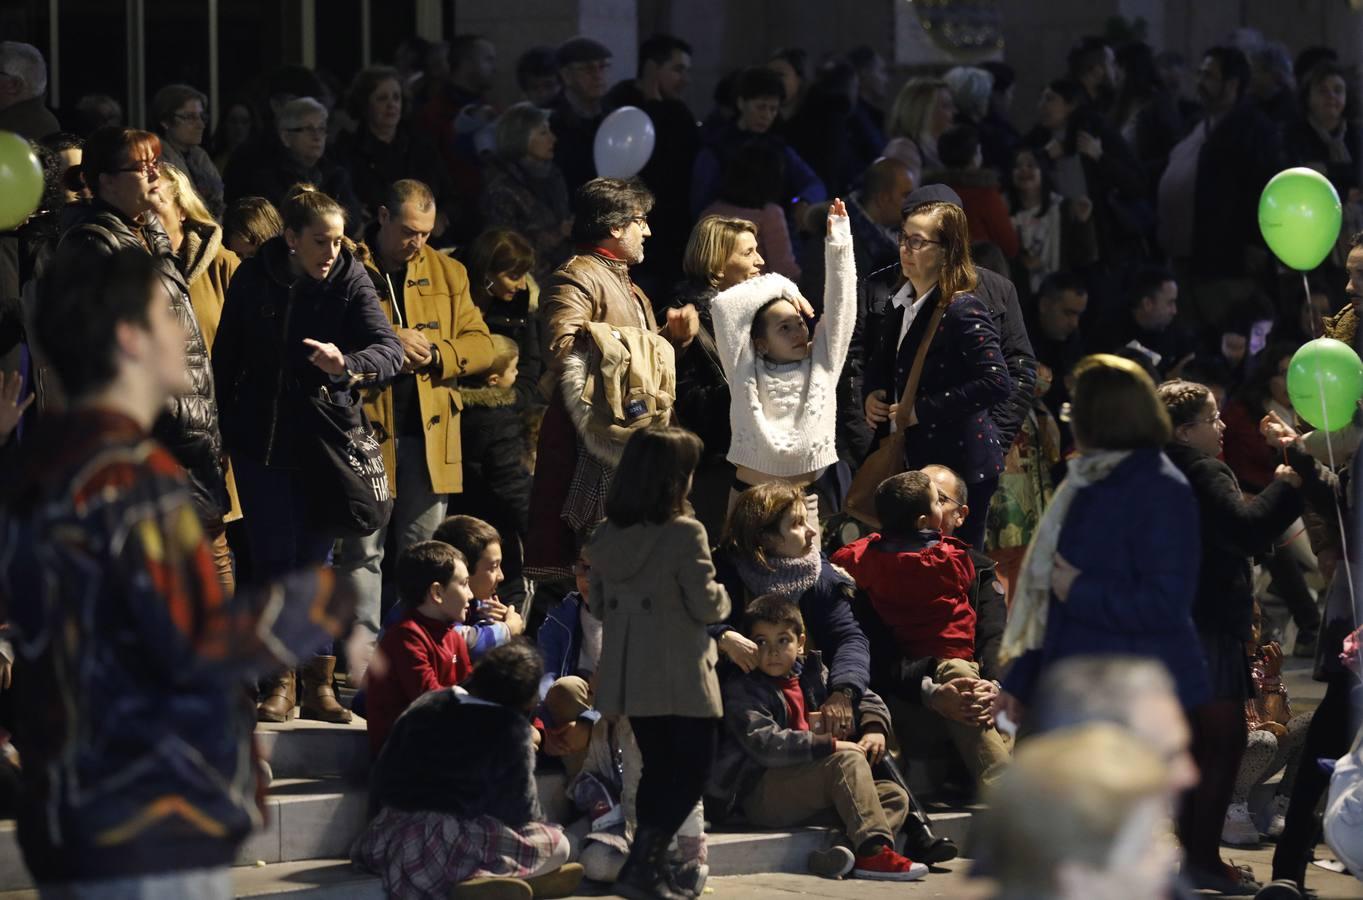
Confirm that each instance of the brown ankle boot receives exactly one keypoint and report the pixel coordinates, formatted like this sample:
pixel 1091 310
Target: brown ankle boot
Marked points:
pixel 319 696
pixel 280 700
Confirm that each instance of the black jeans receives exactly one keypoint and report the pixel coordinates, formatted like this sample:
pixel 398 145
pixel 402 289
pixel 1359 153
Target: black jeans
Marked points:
pixel 1328 737
pixel 678 752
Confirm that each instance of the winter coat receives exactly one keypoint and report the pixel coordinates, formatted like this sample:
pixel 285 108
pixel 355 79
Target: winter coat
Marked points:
pixel 374 165
pixel 1235 528
pixel 830 626
pixel 495 450
pixel 653 587
pixel 437 302
pixel 560 640
pixel 1239 157
pixel 190 427
pixel 1134 537
pixel 757 735
pixel 893 674
pixel 708 172
pixel 589 287
pixel 964 377
pixel 271 171
pixel 533 205
pixel 208 266
pixel 30 119
pixel 518 319
pixel 262 364
pixel 454 754
pixel 999 296
pixel 702 390
pixel 202 173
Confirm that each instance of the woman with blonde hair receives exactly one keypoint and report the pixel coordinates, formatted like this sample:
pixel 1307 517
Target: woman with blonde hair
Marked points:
pixel 1102 796
pixel 923 110
pixel 721 252
pixel 196 238
pixel 1113 566
pixel 963 374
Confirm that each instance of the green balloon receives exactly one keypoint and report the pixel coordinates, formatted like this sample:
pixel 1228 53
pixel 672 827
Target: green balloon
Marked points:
pixel 21 180
pixel 1325 382
pixel 1299 217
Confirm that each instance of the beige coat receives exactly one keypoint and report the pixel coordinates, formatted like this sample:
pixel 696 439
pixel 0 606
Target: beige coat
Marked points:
pixel 654 588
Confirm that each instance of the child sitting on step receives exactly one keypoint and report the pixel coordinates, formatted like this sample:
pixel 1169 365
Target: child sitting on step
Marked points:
pixel 489 623
pixel 781 768
pixel 783 404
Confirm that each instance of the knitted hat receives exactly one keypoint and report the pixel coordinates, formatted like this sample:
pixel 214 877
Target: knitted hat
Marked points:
pixel 929 193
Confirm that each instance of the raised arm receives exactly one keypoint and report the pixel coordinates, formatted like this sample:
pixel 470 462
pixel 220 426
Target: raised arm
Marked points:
pixel 833 335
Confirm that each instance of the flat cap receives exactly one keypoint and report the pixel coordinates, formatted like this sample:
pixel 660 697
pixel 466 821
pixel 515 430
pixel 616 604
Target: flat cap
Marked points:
pixel 929 193
pixel 581 49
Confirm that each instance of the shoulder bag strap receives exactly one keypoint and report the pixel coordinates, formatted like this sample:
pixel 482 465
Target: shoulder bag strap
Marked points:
pixel 906 400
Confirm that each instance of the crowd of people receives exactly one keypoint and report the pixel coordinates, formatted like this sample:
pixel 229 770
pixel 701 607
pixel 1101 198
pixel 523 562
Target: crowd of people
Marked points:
pixel 860 428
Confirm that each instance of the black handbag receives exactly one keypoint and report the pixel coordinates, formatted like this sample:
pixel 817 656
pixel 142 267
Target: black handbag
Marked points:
pixel 346 478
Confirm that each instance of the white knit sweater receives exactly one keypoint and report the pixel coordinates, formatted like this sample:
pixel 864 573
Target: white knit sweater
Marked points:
pixel 783 416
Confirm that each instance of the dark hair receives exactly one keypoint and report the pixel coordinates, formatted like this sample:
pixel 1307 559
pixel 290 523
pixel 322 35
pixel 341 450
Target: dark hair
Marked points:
pixel 605 203
pixel 650 483
pixel 861 56
pixel 110 149
pixel 1310 57
pixel 469 535
pixel 1233 64
pixel 1059 282
pixel 58 141
pixel 1071 91
pixel 1089 52
pixel 462 47
pixel 1140 78
pixel 1146 282
pixel 658 49
pixel 537 62
pixel 1184 400
pixel 169 99
pixel 901 499
pixel 408 190
pixel 958 145
pixel 1319 73
pixel 773 609
pixel 304 205
pixel 493 252
pixel 364 85
pixel 509 675
pixel 422 565
pixel 759 81
pixel 754 175
pixel 795 57
pixel 1004 74
pixel 253 218
pixel 76 321
pixel 1262 369
pixel 1043 164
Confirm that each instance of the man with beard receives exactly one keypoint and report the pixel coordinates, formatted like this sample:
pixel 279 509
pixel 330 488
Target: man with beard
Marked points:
pixel 610 226
pixel 1209 193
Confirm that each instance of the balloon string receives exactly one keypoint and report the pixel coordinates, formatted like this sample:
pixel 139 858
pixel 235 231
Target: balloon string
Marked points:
pixel 1317 327
pixel 1330 454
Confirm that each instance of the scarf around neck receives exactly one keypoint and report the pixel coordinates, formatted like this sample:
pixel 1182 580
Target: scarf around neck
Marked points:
pixel 789 576
pixel 1026 626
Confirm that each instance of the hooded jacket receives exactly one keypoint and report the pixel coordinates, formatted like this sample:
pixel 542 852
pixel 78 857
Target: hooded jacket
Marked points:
pixel 262 364
pixel 653 587
pixel 189 427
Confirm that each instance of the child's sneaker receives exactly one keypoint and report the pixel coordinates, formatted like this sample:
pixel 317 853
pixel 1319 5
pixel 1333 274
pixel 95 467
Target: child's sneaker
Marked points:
pixel 887 865
pixel 1239 829
pixel 834 862
pixel 1274 817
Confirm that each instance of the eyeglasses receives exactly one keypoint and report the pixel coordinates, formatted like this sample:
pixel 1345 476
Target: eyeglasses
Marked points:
pixel 148 168
pixel 313 130
pixel 190 117
pixel 641 221
pixel 915 242
pixel 948 499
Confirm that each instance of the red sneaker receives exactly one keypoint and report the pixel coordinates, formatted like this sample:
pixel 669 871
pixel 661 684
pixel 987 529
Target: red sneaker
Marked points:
pixel 887 865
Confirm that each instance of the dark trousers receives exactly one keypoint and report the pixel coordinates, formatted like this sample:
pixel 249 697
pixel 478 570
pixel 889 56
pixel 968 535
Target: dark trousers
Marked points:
pixel 1328 737
pixel 1218 745
pixel 978 495
pixel 677 752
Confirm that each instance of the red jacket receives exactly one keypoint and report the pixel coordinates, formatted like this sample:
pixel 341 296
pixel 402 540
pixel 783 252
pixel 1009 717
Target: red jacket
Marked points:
pixel 421 655
pixel 922 596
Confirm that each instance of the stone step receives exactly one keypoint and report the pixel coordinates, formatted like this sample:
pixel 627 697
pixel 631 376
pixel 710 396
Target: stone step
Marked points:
pixel 302 748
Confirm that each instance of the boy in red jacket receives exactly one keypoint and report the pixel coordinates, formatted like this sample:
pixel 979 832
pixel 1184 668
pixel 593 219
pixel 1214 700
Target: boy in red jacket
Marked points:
pixel 918 582
pixel 424 651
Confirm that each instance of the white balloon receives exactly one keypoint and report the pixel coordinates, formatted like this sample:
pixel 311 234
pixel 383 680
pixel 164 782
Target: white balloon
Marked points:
pixel 624 143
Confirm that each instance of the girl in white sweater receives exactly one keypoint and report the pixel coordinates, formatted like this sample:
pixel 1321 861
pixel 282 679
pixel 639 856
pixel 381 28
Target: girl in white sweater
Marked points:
pixel 782 383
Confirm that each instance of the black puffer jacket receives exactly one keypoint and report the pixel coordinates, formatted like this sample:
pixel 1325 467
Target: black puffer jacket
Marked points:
pixel 189 427
pixel 702 390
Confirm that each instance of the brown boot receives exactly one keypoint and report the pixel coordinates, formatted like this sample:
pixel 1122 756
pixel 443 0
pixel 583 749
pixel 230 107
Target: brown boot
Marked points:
pixel 319 695
pixel 280 701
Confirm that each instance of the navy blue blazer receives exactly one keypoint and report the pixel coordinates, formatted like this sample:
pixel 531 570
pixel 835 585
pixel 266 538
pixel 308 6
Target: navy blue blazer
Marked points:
pixel 964 376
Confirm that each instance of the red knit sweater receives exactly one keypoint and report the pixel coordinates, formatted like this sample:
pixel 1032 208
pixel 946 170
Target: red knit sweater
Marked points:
pixel 922 596
pixel 421 655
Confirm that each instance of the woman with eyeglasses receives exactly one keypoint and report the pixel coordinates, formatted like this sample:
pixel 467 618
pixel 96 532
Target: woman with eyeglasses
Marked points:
pixel 1235 528
pixel 298 158
pixel 120 168
pixel 964 374
pixel 180 114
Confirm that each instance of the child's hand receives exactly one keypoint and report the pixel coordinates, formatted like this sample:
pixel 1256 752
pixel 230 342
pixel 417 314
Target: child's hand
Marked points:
pixel 1273 659
pixel 514 623
pixel 836 210
pixel 837 714
pixel 1276 432
pixel 1288 474
pixel 873 744
pixel 741 651
pixel 1062 577
pixel 494 609
pixel 878 411
pixel 839 746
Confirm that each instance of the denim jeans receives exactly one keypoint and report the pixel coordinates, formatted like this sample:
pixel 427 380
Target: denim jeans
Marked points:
pixel 417 511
